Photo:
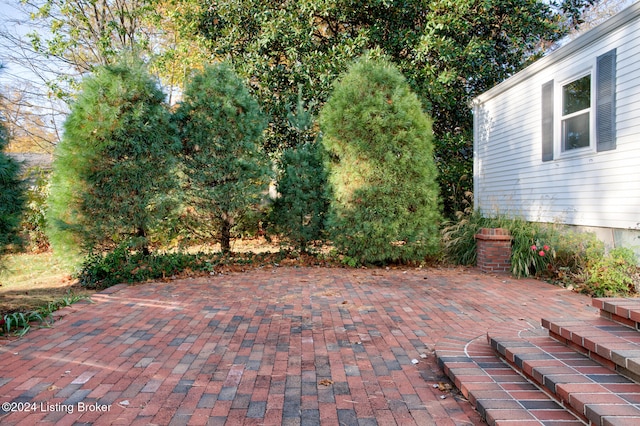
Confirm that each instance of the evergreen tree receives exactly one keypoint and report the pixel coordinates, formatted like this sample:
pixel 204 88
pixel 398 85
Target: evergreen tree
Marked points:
pixel 299 210
pixel 12 198
pixel 114 164
pixel 381 172
pixel 221 127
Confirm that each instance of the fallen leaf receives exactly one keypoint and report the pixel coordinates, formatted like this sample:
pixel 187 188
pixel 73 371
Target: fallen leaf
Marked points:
pixel 444 387
pixel 325 382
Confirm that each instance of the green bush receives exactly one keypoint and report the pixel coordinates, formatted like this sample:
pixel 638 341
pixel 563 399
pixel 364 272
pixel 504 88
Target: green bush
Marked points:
pixel 12 198
pixel 384 196
pixel 565 253
pixel 122 265
pixel 298 213
pixel 616 273
pixel 114 167
pixel 574 252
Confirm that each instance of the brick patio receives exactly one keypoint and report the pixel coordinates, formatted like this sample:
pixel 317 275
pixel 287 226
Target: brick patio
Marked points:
pixel 290 346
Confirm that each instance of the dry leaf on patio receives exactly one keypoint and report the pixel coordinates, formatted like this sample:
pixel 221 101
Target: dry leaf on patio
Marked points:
pixel 444 387
pixel 325 382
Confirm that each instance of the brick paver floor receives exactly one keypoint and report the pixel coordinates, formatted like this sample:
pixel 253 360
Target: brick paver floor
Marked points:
pixel 290 346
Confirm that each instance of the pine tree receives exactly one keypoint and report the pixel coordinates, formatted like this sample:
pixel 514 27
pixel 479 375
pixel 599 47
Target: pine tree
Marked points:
pixel 12 198
pixel 299 210
pixel 385 203
pixel 114 165
pixel 221 127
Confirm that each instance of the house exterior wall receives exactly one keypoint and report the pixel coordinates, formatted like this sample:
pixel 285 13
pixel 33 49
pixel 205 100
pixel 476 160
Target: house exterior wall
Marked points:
pixel 582 187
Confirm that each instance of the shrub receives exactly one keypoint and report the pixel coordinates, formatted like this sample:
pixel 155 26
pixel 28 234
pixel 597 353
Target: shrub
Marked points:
pixel 574 252
pixel 616 273
pixel 123 265
pixel 12 198
pixel 299 211
pixel 384 197
pixel 114 166
pixel 226 171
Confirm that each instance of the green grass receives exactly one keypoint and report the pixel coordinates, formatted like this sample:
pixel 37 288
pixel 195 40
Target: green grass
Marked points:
pixel 31 281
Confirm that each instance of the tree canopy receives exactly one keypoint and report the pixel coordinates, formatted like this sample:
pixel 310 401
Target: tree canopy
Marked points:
pixel 449 51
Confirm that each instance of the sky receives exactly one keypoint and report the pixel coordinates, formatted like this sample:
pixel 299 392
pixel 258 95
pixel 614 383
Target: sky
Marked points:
pixel 8 13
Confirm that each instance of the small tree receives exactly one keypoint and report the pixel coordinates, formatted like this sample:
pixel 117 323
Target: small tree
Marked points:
pixel 12 198
pixel 114 164
pixel 299 211
pixel 221 128
pixel 384 204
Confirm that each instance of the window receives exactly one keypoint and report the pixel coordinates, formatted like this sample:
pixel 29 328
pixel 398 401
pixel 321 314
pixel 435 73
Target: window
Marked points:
pixel 576 110
pixel 586 111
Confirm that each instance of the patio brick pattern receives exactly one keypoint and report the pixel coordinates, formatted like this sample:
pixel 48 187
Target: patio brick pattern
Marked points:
pixel 290 346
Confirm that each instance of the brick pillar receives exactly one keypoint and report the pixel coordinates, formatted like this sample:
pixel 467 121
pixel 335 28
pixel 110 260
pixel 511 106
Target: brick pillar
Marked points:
pixel 494 250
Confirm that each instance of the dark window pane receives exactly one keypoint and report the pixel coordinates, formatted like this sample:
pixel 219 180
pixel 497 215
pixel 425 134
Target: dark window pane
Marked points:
pixel 576 95
pixel 575 132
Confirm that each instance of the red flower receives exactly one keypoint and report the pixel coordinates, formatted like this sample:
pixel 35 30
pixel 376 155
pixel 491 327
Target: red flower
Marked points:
pixel 534 248
pixel 545 248
pixel 541 253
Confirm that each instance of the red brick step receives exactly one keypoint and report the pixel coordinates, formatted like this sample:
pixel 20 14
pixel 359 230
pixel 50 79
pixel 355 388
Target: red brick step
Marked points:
pixel 621 310
pixel 593 392
pixel 501 395
pixel 613 345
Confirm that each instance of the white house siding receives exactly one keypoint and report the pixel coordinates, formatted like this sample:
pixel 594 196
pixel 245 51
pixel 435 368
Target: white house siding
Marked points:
pixel 595 189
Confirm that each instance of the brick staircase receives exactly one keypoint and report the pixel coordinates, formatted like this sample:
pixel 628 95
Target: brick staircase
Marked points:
pixel 568 372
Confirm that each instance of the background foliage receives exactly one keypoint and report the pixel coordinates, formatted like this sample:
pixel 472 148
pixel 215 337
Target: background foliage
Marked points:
pixel 449 51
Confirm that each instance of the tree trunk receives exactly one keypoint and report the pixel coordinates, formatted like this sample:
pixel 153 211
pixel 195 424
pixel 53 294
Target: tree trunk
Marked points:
pixel 225 236
pixel 142 234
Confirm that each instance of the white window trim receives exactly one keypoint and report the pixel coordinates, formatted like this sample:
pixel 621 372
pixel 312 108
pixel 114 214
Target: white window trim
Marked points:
pixel 558 153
